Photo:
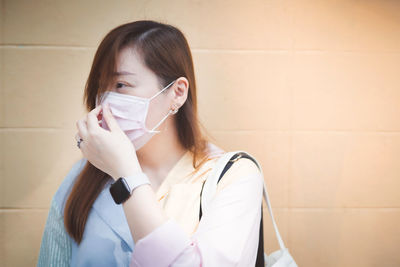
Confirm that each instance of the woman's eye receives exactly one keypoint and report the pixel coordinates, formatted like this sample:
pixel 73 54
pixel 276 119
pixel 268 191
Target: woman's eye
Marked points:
pixel 119 85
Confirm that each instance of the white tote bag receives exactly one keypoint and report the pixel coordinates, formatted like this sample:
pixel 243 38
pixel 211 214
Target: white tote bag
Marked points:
pixel 278 258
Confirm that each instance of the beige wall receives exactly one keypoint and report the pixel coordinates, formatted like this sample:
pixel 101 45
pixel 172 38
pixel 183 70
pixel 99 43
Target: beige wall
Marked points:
pixel 311 88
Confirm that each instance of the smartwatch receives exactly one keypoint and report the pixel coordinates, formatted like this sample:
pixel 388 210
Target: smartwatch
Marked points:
pixel 122 189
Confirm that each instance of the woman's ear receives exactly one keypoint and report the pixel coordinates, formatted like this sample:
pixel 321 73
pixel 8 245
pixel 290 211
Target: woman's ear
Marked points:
pixel 180 92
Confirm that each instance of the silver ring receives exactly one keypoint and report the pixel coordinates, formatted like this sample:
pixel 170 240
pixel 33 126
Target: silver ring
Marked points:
pixel 79 143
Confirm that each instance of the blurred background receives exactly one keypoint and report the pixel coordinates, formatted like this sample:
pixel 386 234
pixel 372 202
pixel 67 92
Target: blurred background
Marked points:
pixel 309 87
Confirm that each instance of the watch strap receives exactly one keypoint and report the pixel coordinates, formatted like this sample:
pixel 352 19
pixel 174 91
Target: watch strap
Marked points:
pixel 136 180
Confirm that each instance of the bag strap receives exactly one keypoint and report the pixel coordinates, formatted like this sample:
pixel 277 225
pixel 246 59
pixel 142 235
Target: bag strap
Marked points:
pixel 260 260
pixel 210 185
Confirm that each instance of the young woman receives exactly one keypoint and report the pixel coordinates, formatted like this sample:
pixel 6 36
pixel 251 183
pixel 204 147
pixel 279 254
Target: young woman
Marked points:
pixel 134 197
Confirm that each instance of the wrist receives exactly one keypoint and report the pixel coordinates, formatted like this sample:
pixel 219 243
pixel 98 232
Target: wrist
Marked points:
pixel 127 172
pixel 124 186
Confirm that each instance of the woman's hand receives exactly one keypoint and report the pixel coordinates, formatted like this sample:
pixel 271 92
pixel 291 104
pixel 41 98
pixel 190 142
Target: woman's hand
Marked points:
pixel 110 151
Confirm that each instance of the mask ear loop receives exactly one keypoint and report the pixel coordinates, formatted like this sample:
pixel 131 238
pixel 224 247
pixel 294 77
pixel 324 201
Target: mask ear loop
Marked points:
pixel 165 88
pixel 169 112
pixel 158 124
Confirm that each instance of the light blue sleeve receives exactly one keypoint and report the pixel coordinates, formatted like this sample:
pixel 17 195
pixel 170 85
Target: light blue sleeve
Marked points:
pixel 55 249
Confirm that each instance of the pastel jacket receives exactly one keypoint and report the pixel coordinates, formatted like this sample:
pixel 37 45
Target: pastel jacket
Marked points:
pixel 226 235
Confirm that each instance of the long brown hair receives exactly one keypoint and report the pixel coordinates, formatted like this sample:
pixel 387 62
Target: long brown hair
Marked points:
pixel 165 51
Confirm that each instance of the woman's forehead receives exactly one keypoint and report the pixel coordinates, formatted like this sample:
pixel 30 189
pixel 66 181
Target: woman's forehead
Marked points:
pixel 129 63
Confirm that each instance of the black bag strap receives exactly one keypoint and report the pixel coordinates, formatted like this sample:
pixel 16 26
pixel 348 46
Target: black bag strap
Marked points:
pixel 260 252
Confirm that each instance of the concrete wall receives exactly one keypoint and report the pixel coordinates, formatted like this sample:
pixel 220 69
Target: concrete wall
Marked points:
pixel 309 87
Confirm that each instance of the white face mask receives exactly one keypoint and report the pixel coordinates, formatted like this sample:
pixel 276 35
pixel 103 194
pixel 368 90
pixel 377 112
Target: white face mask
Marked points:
pixel 130 113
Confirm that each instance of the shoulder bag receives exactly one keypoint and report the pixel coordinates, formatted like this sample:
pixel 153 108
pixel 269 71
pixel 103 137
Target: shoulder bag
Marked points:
pixel 279 258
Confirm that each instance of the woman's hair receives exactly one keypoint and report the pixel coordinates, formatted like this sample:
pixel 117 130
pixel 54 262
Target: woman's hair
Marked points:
pixel 164 50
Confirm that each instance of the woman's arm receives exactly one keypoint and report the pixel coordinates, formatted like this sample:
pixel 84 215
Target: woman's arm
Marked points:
pixel 225 233
pixel 55 249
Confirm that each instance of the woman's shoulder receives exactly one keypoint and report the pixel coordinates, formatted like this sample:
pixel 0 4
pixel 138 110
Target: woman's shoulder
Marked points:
pixel 243 164
pixel 247 165
pixel 64 189
pixel 243 168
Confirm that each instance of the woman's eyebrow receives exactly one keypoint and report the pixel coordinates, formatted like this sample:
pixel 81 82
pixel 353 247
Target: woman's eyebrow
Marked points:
pixel 118 73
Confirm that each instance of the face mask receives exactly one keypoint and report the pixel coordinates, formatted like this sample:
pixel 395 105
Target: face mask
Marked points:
pixel 130 113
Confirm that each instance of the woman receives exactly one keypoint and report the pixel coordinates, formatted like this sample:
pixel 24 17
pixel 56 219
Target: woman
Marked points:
pixel 133 199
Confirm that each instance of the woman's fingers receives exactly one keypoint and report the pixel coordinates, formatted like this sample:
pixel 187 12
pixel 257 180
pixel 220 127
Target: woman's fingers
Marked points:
pixel 92 118
pixel 110 120
pixel 82 129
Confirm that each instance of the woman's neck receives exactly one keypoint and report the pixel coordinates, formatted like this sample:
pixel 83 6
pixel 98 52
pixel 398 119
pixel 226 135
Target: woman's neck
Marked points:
pixel 160 154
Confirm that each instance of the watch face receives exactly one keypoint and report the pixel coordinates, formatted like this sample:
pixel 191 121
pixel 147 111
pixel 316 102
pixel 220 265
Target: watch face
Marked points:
pixel 120 191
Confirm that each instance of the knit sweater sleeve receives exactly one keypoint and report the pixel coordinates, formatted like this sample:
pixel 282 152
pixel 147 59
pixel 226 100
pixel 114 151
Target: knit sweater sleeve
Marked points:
pixel 56 246
pixel 55 249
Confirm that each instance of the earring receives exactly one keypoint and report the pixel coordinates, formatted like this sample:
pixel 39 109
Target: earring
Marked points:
pixel 174 110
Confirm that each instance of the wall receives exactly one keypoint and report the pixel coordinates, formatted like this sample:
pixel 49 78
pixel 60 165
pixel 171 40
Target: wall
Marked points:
pixel 311 88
